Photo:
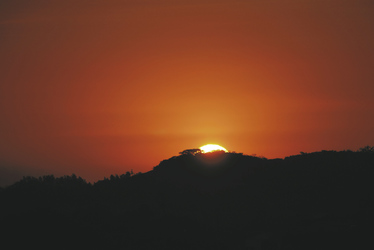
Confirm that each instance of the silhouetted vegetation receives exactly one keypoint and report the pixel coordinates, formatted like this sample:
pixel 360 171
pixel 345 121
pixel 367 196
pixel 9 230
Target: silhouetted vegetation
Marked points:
pixel 192 151
pixel 318 200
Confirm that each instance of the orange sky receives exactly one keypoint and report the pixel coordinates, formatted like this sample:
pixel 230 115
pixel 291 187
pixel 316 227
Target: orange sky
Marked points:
pixel 101 87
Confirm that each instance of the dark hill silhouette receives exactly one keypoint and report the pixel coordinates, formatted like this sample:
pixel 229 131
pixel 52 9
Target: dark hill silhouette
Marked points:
pixel 320 200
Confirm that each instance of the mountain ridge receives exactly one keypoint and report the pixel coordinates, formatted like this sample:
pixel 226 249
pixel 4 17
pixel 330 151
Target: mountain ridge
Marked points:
pixel 204 201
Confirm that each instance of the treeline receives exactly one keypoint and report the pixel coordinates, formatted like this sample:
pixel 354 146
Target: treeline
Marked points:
pixel 318 200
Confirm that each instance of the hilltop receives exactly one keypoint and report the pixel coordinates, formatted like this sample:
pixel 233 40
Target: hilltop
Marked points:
pixel 319 200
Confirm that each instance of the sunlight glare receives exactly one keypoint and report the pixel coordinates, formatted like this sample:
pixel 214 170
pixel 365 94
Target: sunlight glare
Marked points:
pixel 212 147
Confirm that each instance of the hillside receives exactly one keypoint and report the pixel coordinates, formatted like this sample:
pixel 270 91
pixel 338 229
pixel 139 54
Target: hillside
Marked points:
pixel 320 200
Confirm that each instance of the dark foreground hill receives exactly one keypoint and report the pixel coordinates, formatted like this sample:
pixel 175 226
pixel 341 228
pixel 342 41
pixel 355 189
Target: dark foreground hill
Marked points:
pixel 321 200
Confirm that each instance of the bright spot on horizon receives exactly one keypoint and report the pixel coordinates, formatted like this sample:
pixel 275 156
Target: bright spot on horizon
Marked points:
pixel 212 147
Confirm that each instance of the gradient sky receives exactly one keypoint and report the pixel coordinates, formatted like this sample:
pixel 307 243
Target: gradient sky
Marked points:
pixel 101 87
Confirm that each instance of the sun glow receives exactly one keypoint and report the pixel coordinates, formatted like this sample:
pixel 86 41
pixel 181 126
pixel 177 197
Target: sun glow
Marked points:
pixel 212 147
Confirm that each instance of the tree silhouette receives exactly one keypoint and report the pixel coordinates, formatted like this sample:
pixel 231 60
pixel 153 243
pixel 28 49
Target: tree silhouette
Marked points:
pixel 193 151
pixel 366 149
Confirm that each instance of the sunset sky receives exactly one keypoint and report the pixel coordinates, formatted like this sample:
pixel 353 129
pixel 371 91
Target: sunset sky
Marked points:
pixel 99 87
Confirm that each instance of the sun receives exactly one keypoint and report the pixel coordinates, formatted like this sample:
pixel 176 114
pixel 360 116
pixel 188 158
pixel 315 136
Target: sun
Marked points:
pixel 212 147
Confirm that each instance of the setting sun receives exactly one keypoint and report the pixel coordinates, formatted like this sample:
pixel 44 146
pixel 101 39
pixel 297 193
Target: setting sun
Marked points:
pixel 212 147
